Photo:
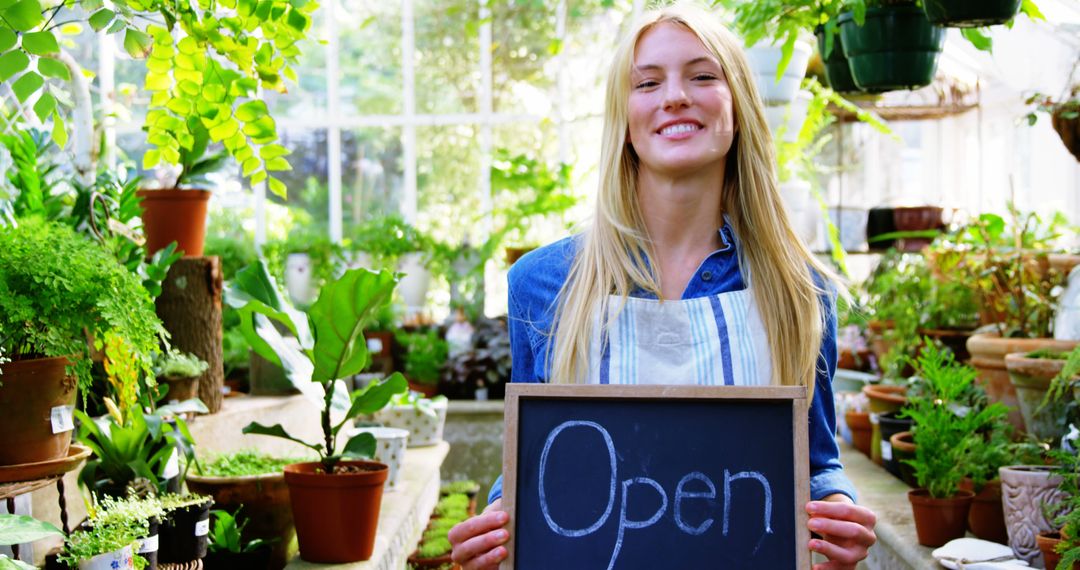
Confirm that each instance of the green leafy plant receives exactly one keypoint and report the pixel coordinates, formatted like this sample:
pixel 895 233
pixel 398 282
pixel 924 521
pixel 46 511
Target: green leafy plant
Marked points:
pixel 1063 382
pixel 128 510
pixel 174 501
pixel 49 303
pixel 176 364
pixel 783 22
pixel 244 463
pixel 1067 107
pixel 947 428
pixel 331 347
pixel 387 238
pixel 102 539
pixel 465 487
pixel 434 548
pixel 417 401
pixel 225 534
pixel 425 355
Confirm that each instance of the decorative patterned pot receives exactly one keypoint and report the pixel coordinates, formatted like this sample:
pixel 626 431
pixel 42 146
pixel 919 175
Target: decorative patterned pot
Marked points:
pixel 425 426
pixel 390 444
pixel 1024 491
pixel 116 560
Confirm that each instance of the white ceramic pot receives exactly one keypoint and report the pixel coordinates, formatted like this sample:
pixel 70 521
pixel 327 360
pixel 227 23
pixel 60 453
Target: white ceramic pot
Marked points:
pixel 298 279
pixel 390 444
pixel 765 60
pixel 414 285
pixel 117 560
pixel 790 116
pixel 425 426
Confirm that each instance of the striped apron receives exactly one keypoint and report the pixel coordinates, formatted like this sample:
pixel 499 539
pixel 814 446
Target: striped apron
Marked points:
pixel 718 340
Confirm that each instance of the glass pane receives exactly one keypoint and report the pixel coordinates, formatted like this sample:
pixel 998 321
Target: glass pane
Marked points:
pixel 309 195
pixel 369 47
pixel 447 171
pixel 447 56
pixel 371 174
pixel 523 43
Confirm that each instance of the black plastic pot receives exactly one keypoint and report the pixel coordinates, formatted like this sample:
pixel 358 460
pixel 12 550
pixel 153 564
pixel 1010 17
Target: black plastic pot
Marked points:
pixel 151 544
pixel 890 425
pixel 895 48
pixel 879 221
pixel 185 534
pixel 256 560
pixel 837 68
pixel 970 13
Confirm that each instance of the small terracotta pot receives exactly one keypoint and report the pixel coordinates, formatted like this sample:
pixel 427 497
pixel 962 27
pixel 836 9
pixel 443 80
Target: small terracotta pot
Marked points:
pixel 938 521
pixel 859 423
pixel 883 399
pixel 986 519
pixel 903 447
pixel 29 390
pixel 336 515
pixel 174 215
pixel 428 390
pixel 1048 542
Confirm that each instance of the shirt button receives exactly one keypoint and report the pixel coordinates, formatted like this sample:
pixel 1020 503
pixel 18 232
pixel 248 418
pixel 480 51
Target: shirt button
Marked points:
pixel 706 276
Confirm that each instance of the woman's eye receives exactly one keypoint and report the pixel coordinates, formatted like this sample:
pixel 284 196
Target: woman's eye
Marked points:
pixel 646 84
pixel 705 77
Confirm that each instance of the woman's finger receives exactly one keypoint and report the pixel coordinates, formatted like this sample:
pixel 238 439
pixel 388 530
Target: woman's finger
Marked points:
pixel 487 561
pixel 842 511
pixel 477 525
pixel 837 553
pixel 479 547
pixel 841 528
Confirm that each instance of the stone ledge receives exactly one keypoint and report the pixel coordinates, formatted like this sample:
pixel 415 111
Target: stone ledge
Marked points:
pixel 403 514
pixel 475 407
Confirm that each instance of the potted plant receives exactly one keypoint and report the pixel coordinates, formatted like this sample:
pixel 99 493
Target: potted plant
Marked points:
pixel 1064 116
pixel 180 372
pixel 946 431
pixel 434 548
pixel 390 242
pixel 335 501
pixel 466 487
pixel 102 547
pixel 1032 375
pixel 977 13
pixel 890 44
pixel 145 513
pixel 425 356
pixel 424 418
pixel 49 304
pixel 255 481
pixel 228 550
pixel 1061 547
pixel 185 527
pixel 481 371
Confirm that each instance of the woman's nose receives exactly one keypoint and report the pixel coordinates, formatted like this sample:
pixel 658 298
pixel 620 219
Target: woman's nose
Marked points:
pixel 675 95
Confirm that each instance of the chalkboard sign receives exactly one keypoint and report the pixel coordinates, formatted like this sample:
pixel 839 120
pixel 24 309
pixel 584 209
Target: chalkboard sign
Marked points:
pixel 627 477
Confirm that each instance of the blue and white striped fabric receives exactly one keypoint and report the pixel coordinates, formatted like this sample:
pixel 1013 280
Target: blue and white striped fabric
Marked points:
pixel 708 341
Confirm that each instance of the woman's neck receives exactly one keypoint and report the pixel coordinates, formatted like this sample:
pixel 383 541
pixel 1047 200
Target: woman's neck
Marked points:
pixel 682 217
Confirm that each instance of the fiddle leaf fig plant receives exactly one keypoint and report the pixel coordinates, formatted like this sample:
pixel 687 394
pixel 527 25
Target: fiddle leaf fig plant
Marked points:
pixel 330 347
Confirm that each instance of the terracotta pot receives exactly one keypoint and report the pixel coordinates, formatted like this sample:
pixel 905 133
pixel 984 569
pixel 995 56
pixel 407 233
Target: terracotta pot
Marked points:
pixel 903 447
pixel 440 562
pixel 883 399
pixel 1031 378
pixel 265 501
pixel 986 519
pixel 29 390
pixel 174 215
pixel 988 352
pixel 336 515
pixel 1024 491
pixel 180 389
pixel 1047 542
pixel 938 521
pixel 428 390
pixel 859 423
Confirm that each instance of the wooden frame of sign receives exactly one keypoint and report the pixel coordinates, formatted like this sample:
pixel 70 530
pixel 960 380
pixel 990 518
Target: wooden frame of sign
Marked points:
pixel 793 396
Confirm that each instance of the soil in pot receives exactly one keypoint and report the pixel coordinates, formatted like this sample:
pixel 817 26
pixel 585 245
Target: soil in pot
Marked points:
pixel 859 423
pixel 185 533
pixel 1031 378
pixel 938 521
pixel 903 448
pixel 883 399
pixel 970 13
pixel 336 515
pixel 986 519
pixel 266 509
pixel 174 215
pixel 29 392
pixel 890 425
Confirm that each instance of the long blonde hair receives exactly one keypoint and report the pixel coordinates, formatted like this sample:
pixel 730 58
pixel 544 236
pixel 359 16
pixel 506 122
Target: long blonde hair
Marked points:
pixel 615 253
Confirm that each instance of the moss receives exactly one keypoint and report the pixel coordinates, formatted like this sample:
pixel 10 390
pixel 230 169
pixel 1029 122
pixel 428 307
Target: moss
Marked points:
pixel 452 503
pixel 434 548
pixel 245 463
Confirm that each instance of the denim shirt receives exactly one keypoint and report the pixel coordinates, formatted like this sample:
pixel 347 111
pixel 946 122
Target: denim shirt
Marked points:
pixel 535 281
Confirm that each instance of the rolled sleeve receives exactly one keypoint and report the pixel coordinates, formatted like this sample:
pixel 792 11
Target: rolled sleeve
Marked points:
pixel 826 472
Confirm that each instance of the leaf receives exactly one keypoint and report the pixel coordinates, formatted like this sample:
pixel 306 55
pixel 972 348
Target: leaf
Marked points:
pixel 137 44
pixel 101 19
pixel 20 529
pixel 278 164
pixel 272 151
pixel 276 431
pixel 24 16
pixel 40 43
pixel 9 564
pixel 255 283
pixel 50 67
pixel 251 111
pixel 59 132
pixel 360 446
pixel 277 187
pixel 12 63
pixel 27 85
pixel 343 308
pixel 979 37
pixel 45 106
pixel 376 395
pixel 7 39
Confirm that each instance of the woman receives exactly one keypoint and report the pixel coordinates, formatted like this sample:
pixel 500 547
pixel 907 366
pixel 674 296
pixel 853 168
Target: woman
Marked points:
pixel 689 223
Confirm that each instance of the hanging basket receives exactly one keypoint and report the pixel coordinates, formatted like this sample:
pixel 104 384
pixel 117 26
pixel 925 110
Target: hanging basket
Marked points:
pixel 896 48
pixel 970 13
pixel 837 68
pixel 1068 130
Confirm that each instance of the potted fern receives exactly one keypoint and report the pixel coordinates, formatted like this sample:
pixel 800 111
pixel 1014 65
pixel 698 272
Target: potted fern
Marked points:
pixel 335 501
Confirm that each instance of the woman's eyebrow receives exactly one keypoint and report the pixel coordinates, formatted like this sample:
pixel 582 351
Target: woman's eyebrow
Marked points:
pixel 696 60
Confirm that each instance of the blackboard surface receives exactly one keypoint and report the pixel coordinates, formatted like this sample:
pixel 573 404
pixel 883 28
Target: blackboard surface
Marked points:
pixel 670 482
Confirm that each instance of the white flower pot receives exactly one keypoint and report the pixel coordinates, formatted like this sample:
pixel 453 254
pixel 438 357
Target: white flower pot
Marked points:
pixel 425 426
pixel 390 444
pixel 414 285
pixel 791 116
pixel 765 60
pixel 298 279
pixel 116 560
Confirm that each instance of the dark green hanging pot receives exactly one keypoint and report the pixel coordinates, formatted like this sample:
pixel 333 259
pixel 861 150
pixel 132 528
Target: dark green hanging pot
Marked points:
pixel 837 69
pixel 970 13
pixel 896 48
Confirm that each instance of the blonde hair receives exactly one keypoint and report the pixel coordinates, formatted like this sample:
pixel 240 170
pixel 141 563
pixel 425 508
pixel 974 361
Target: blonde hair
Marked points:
pixel 615 253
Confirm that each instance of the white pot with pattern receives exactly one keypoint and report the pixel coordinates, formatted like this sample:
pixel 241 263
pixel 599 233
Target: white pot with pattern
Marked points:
pixel 390 446
pixel 424 419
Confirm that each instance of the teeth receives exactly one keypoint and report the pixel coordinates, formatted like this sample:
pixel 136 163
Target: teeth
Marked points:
pixel 679 128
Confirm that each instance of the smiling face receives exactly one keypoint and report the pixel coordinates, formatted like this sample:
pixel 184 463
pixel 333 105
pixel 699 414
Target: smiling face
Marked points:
pixel 680 108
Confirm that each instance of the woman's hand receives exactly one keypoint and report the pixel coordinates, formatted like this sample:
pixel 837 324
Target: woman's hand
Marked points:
pixel 846 530
pixel 478 541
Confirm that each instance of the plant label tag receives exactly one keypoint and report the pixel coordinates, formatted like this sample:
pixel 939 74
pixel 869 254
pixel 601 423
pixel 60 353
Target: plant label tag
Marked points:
pixel 886 451
pixel 202 528
pixel 374 345
pixel 148 544
pixel 60 417
pixel 172 466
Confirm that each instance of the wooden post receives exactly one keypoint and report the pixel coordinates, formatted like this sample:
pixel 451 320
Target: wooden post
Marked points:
pixel 190 308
